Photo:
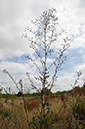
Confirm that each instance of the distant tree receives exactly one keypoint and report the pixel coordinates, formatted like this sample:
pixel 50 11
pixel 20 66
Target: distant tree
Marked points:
pixel 19 94
pixel 84 84
pixel 1 90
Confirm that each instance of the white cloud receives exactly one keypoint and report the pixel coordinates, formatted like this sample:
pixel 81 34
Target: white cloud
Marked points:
pixel 79 38
pixel 64 82
pixel 13 67
pixel 80 67
pixel 67 81
pixel 16 15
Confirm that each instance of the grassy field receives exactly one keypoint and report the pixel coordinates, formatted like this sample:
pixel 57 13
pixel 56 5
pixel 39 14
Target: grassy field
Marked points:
pixel 65 112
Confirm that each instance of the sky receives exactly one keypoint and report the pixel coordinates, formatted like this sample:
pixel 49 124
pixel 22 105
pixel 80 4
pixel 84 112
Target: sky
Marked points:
pixel 15 15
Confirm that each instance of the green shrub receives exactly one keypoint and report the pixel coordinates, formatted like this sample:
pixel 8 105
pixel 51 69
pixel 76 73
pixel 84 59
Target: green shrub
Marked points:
pixel 5 113
pixel 79 109
pixel 19 94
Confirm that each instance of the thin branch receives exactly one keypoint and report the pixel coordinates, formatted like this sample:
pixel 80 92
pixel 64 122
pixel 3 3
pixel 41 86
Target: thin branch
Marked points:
pixel 5 71
pixel 33 61
pixel 60 55
pixel 32 84
pixel 56 70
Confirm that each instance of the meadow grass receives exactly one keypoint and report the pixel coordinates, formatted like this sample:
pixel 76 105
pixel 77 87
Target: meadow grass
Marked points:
pixel 63 113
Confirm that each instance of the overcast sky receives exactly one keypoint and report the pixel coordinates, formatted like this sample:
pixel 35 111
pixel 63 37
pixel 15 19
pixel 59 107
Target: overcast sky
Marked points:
pixel 15 15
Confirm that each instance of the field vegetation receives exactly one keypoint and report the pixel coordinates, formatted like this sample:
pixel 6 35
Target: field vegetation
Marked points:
pixel 67 110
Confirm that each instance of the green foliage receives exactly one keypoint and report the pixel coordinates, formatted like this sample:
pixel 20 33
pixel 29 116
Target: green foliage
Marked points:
pixel 60 92
pixel 79 109
pixel 6 96
pixel 31 95
pixel 50 119
pixel 6 113
pixel 35 94
pixel 13 96
pixel 35 122
pixel 1 90
pixel 47 91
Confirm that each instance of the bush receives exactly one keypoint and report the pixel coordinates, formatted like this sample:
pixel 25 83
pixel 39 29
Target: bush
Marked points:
pixel 19 94
pixel 79 109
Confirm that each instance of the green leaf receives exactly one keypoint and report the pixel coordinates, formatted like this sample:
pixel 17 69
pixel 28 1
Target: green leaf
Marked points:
pixel 38 120
pixel 43 105
pixel 47 104
pixel 46 113
pixel 30 123
pixel 34 124
pixel 33 119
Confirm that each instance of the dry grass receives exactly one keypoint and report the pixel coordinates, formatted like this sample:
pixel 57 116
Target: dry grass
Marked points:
pixel 12 114
pixel 66 112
